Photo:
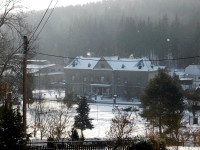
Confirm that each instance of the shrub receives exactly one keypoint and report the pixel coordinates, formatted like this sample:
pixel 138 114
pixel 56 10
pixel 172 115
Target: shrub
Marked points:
pixel 151 142
pixel 141 144
pixel 50 143
pixel 74 135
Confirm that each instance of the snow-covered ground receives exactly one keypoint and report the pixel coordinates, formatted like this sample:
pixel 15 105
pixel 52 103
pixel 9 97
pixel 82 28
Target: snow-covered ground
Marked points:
pixel 101 113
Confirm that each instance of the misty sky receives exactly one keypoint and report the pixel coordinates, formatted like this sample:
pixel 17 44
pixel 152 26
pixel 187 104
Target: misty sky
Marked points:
pixel 43 4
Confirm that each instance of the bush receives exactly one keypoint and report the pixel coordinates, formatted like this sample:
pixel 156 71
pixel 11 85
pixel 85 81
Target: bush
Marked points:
pixel 149 143
pixel 157 142
pixel 163 144
pixel 74 135
pixel 50 143
pixel 141 144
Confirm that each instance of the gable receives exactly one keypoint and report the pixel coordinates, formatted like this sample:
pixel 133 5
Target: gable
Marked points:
pixel 102 64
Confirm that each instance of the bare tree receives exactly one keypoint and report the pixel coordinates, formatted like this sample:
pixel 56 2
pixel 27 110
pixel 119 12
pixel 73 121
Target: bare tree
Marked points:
pixel 121 128
pixel 13 27
pixel 41 117
pixel 43 124
pixel 60 123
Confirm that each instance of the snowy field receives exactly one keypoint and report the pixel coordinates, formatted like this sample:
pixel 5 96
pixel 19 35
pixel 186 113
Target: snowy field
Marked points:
pixel 101 115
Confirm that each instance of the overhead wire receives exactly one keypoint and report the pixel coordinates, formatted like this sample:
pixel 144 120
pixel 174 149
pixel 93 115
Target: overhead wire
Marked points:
pixel 47 20
pixel 38 25
pixel 41 20
pixel 167 59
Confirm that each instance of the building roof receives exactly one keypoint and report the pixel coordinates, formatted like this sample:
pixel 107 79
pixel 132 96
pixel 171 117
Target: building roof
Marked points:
pixel 49 74
pixel 33 68
pixel 192 70
pixel 83 62
pixel 116 63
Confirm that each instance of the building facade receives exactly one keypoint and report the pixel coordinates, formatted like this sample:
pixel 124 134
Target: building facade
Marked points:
pixel 47 75
pixel 193 72
pixel 108 76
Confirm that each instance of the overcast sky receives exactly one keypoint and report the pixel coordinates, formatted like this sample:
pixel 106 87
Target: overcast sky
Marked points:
pixel 43 4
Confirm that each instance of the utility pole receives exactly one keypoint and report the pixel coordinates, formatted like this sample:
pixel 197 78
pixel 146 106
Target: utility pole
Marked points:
pixel 24 91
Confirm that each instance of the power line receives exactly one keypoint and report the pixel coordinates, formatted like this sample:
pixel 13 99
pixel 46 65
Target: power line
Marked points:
pixel 167 59
pixel 38 25
pixel 41 20
pixel 47 19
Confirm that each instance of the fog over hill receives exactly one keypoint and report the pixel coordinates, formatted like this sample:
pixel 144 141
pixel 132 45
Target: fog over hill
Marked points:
pixel 122 27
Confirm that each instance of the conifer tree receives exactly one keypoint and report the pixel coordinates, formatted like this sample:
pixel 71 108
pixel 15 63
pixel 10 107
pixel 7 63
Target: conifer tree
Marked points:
pixel 162 102
pixel 74 135
pixel 11 128
pixel 82 120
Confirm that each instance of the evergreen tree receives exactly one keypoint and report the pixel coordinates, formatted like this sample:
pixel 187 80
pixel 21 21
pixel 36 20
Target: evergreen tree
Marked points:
pixel 11 128
pixel 74 135
pixel 82 120
pixel 162 101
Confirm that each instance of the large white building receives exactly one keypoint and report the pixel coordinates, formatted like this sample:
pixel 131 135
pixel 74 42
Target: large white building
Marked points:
pixel 108 76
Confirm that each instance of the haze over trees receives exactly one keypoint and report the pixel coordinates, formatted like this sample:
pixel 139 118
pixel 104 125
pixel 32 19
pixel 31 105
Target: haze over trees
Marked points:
pixel 154 28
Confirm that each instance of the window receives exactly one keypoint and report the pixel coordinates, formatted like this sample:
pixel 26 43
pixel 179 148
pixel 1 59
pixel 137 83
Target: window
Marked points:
pixel 102 66
pixel 108 80
pixel 72 88
pixel 84 89
pixel 52 70
pixel 72 78
pixel 102 79
pixel 125 80
pixel 91 79
pixel 84 79
pixel 59 69
pixel 125 91
pixel 96 79
pixel 118 80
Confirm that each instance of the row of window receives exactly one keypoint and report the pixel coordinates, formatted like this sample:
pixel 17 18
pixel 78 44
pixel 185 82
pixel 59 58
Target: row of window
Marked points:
pixel 53 70
pixel 92 79
pixel 102 79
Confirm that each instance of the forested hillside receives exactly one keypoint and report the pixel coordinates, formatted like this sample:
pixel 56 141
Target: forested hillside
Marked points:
pixel 163 29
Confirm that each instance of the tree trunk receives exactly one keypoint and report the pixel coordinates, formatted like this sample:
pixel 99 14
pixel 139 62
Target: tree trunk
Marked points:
pixel 160 130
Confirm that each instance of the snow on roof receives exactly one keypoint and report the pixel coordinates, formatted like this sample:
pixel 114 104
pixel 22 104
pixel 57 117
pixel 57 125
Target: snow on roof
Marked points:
pixel 116 63
pixel 35 68
pixel 31 60
pixel 83 62
pixel 49 74
pixel 186 79
pixel 131 64
pixel 192 70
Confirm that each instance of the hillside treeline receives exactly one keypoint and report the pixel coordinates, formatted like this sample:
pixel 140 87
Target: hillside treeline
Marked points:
pixel 153 28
